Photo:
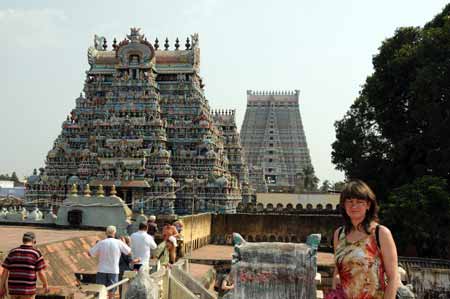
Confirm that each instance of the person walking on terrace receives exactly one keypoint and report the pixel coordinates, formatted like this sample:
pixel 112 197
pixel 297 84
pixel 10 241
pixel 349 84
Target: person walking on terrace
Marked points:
pixel 166 251
pixel 21 268
pixel 141 245
pixel 109 251
pixel 180 238
pixel 365 252
pixel 152 226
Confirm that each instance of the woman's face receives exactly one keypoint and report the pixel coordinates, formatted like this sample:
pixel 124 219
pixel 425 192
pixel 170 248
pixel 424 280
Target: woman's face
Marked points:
pixel 356 208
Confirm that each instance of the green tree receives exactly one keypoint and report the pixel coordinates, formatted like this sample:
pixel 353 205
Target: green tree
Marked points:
pixel 14 177
pixel 310 181
pixel 419 214
pixel 397 129
pixel 4 177
pixel 326 186
pixel 338 186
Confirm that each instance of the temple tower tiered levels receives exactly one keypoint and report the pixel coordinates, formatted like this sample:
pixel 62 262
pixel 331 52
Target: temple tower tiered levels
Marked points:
pixel 225 120
pixel 144 126
pixel 274 141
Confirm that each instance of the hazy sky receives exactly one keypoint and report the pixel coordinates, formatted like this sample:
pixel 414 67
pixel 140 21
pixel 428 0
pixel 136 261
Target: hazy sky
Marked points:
pixel 323 48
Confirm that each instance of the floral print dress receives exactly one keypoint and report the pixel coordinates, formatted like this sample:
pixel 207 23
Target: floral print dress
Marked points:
pixel 360 267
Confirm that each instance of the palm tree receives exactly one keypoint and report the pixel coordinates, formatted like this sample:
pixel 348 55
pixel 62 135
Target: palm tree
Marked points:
pixel 310 181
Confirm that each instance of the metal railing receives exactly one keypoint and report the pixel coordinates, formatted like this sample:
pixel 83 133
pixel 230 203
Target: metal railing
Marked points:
pixel 175 281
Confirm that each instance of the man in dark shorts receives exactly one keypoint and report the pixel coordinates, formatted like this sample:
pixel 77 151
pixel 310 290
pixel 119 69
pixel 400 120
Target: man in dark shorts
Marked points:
pixel 109 251
pixel 21 268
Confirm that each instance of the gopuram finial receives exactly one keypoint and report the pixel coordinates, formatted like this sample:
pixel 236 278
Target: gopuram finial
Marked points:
pixel 87 191
pixel 134 34
pixel 99 42
pixel 113 191
pixel 74 191
pixel 177 44
pixel 195 40
pixel 156 45
pixel 105 45
pixel 114 45
pixel 188 44
pixel 100 191
pixel 166 44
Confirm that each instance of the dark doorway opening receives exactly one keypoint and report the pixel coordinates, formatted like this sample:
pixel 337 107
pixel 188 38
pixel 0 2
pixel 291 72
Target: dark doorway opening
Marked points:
pixel 75 217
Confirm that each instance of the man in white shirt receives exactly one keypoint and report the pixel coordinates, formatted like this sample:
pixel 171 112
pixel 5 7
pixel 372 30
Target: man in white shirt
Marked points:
pixel 109 251
pixel 141 245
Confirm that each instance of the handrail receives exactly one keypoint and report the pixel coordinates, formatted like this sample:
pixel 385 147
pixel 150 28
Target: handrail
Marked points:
pixel 108 288
pixel 163 277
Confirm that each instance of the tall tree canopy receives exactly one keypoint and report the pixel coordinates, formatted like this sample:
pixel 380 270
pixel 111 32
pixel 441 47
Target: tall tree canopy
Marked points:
pixel 398 128
pixel 396 135
pixel 425 203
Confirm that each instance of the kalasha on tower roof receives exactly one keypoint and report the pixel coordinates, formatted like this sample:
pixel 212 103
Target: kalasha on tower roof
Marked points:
pixel 144 126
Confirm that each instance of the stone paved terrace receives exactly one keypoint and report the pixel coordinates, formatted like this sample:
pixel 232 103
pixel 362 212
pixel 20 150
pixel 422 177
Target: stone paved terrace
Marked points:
pixel 11 236
pixel 66 253
pixel 65 250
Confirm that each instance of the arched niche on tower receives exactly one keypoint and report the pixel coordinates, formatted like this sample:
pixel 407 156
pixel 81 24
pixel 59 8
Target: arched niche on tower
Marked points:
pixel 136 53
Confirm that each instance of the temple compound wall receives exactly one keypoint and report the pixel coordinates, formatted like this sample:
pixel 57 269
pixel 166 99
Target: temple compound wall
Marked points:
pixel 273 228
pixel 302 201
pixel 430 277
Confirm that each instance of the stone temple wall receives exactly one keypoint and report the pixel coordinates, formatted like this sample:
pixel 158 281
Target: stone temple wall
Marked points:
pixel 279 208
pixel 273 228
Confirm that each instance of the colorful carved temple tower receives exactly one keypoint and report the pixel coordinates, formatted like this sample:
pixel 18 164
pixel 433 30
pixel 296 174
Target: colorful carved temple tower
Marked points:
pixel 225 120
pixel 144 126
pixel 274 141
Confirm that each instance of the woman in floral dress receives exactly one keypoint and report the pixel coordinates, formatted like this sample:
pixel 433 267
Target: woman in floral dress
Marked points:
pixel 366 268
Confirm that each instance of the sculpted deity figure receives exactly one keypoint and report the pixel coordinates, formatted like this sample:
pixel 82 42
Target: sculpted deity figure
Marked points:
pixel 119 173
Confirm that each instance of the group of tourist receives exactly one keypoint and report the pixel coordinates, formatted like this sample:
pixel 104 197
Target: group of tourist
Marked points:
pixel 117 255
pixel 365 254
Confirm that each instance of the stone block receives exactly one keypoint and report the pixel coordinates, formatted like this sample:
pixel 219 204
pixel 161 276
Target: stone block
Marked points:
pixel 273 270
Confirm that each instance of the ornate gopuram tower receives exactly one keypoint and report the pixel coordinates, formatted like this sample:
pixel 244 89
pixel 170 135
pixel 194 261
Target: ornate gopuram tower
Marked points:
pixel 225 120
pixel 274 140
pixel 145 127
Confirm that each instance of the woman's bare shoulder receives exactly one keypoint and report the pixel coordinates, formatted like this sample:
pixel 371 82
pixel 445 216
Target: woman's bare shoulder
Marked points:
pixel 384 231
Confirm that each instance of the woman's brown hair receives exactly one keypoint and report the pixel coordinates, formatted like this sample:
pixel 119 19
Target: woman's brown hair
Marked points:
pixel 359 190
